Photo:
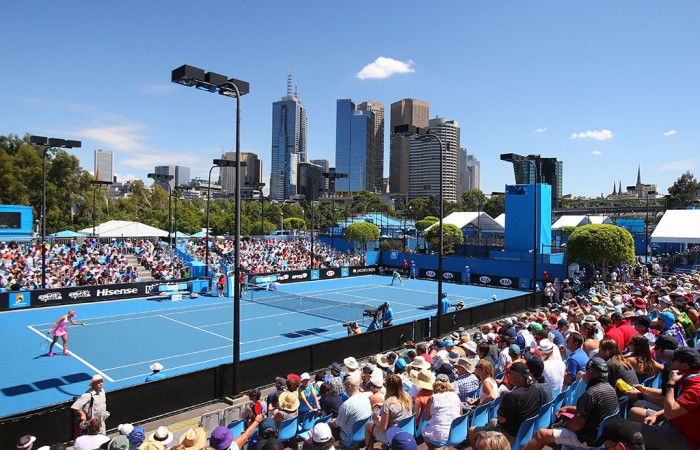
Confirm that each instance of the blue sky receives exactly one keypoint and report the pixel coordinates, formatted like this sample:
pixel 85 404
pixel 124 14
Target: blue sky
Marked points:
pixel 604 86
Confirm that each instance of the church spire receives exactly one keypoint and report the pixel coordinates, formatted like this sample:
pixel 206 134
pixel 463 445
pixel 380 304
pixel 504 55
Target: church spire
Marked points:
pixel 620 188
pixel 639 175
pixel 614 189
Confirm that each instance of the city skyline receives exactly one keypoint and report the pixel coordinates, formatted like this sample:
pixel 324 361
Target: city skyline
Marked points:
pixel 585 83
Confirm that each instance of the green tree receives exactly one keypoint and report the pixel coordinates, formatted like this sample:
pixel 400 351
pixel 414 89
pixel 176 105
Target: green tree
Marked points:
pixel 473 200
pixel 601 245
pixel 421 225
pixel 365 201
pixel 685 189
pixel 294 223
pixel 361 233
pixel 495 206
pixel 391 244
pixel 256 228
pixel 418 207
pixel 451 235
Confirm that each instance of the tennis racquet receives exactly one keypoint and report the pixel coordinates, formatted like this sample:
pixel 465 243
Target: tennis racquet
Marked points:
pixel 45 342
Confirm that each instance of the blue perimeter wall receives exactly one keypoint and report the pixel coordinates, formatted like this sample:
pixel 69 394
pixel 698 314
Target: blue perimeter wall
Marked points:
pixel 519 269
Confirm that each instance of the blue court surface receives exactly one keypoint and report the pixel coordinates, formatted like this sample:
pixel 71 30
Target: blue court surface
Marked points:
pixel 123 338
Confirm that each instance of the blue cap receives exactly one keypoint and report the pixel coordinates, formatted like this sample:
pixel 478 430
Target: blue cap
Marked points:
pixel 400 439
pixel 514 348
pixel 138 434
pixel 400 363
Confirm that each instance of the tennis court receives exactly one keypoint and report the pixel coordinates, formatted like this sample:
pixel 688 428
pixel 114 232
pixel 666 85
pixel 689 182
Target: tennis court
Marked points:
pixel 122 338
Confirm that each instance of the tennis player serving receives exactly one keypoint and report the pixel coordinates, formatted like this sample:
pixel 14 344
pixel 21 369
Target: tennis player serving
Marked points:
pixel 59 329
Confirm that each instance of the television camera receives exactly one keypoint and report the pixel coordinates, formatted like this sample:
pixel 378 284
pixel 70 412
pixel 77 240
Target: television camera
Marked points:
pixel 457 305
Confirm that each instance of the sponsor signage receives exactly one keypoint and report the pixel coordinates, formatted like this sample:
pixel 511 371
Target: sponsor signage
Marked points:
pixel 447 275
pixel 494 280
pixel 19 299
pixel 330 273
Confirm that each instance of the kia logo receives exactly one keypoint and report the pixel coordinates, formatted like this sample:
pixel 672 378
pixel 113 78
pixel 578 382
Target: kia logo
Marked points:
pixel 430 273
pixel 505 282
pixel 447 275
pixel 330 273
pixel 485 279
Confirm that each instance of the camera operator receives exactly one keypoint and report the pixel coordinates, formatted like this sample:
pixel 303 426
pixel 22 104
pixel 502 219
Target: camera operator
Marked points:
pixel 387 314
pixel 353 328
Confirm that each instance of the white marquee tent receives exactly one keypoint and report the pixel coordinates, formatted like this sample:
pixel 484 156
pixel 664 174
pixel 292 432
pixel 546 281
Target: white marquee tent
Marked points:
pixel 579 221
pixel 678 226
pixel 124 228
pixel 470 218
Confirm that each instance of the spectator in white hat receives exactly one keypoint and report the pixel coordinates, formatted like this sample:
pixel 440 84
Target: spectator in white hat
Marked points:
pixel 157 373
pixel 93 404
pixel 308 397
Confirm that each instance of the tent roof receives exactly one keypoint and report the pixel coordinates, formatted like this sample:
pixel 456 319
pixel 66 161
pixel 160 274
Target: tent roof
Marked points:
pixel 678 226
pixel 501 220
pixel 580 220
pixel 199 234
pixel 124 228
pixel 68 233
pixel 474 219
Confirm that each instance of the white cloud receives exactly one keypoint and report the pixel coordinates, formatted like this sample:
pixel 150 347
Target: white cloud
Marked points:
pixel 541 130
pixel 383 67
pixel 597 152
pixel 599 135
pixel 679 166
pixel 126 137
pixel 126 177
pixel 670 133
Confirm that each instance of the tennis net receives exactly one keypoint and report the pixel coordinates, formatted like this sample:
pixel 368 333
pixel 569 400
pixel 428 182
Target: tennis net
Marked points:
pixel 313 306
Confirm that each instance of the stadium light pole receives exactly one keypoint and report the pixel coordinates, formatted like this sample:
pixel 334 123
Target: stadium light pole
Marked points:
pixel 217 163
pixel 418 133
pixel 48 144
pixel 646 228
pixel 229 87
pixel 515 158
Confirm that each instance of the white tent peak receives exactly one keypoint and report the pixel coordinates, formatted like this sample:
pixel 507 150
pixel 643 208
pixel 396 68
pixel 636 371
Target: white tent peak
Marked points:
pixel 678 226
pixel 580 220
pixel 125 228
pixel 472 219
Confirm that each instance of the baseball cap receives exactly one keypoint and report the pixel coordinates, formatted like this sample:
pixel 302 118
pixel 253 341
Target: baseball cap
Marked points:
pixel 643 321
pixel 305 376
pixel 335 367
pixel 514 348
pixel 597 364
pixel 439 344
pixel 520 369
pixel 321 432
pixel 666 342
pixel 687 355
pixel 561 323
pixel 477 336
pixel 536 366
pixel 138 434
pixel 120 442
pixel 400 439
pixel 619 430
pixel 272 444
pixel 267 428
pixel 125 428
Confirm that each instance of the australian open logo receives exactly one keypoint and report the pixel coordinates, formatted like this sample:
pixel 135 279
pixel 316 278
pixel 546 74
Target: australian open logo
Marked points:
pixel 484 279
pixel 447 275
pixel 505 281
pixel 79 294
pixel 50 296
pixel 430 274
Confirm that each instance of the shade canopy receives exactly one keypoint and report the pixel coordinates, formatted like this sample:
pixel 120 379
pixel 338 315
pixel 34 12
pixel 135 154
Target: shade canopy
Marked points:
pixel 124 228
pixel 680 226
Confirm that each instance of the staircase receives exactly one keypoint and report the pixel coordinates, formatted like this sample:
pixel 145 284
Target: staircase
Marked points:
pixel 143 272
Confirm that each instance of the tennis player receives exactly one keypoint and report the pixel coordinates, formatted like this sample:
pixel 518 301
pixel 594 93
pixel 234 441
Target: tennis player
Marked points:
pixel 394 276
pixel 59 330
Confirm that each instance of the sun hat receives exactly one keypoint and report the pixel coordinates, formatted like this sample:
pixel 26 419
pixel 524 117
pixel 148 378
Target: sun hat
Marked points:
pixel 221 438
pixel 666 299
pixel 125 428
pixel 369 368
pixel 138 434
pixel 439 344
pixel 321 433
pixel 156 366
pixel 399 439
pixel 546 347
pixel 162 435
pixel 289 401
pixel 195 438
pixel 639 302
pixel 423 378
pixel 629 314
pixel 466 364
pixel 377 382
pixel 120 442
pixel 589 318
pixel 96 378
pixel 453 356
pixel 471 346
pixel 30 440
pixel 150 445
pixel 351 363
pixel 382 361
pixel 419 362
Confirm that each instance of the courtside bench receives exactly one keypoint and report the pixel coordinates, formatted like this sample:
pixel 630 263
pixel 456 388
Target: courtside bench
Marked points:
pixel 173 291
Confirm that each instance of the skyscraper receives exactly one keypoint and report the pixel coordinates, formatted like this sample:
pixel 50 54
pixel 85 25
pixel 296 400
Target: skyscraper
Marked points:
pixel 289 144
pixel 310 181
pixel 473 173
pixel 353 141
pixel 404 112
pixel 325 165
pixel 181 175
pixel 550 172
pixel 375 172
pixel 251 174
pixel 424 169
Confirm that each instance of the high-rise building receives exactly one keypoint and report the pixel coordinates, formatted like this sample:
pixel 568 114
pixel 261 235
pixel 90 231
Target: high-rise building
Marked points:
pixel 325 166
pixel 251 175
pixel 310 181
pixel 353 141
pixel 289 143
pixel 462 172
pixel 375 172
pixel 404 112
pixel 181 175
pixel 473 173
pixel 424 170
pixel 550 172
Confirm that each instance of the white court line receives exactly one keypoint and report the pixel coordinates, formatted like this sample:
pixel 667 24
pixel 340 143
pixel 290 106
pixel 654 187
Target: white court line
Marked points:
pixel 196 328
pixel 73 355
pixel 176 367
pixel 170 357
